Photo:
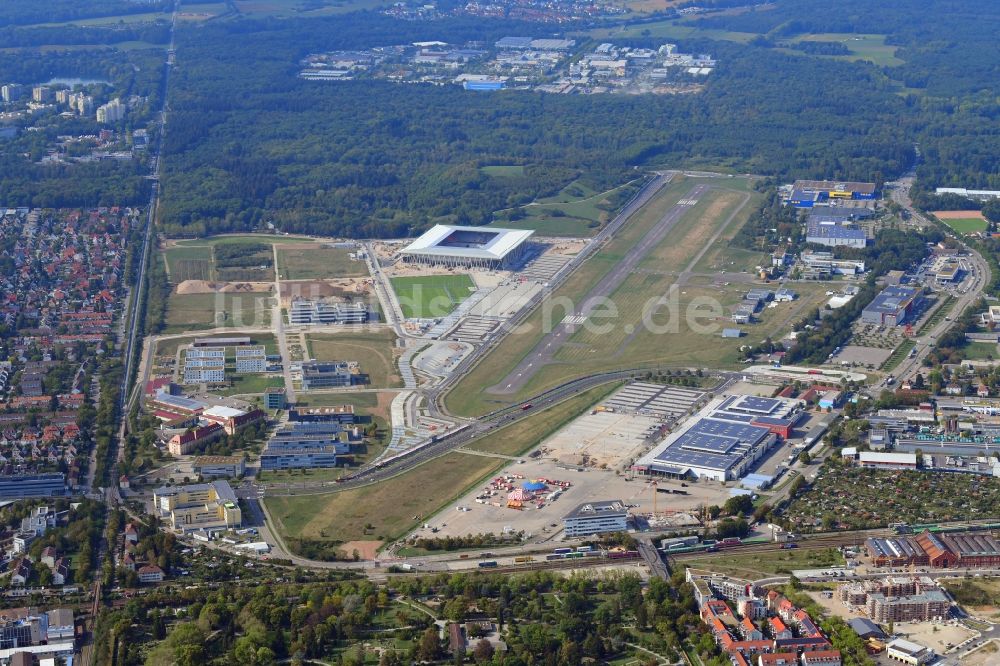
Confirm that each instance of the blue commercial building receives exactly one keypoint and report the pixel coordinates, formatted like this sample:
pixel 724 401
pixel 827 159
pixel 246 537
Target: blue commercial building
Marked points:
pixel 723 441
pixel 835 235
pixel 483 86
pixel 32 485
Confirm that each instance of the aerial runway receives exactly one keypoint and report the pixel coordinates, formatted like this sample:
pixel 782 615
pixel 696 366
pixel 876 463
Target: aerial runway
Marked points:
pixel 545 351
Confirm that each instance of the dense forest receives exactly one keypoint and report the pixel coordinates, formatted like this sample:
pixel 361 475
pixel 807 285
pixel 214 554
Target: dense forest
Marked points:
pixel 27 12
pixel 250 143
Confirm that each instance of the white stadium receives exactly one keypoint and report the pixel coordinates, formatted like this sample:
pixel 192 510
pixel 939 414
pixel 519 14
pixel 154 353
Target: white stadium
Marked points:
pixel 473 247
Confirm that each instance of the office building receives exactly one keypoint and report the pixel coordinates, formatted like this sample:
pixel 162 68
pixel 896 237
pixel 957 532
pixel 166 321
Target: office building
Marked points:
pixel 596 518
pixel 325 374
pixel 203 506
pixel 219 466
pixel 274 397
pixel 308 312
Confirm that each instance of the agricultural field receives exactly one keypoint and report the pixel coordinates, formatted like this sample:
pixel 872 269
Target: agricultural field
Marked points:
pixel 374 350
pixel 192 312
pixel 189 263
pixel 847 497
pixel 318 263
pixel 753 566
pixel 430 296
pixel 626 341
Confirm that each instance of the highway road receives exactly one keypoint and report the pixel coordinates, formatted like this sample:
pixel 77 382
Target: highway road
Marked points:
pixel 980 274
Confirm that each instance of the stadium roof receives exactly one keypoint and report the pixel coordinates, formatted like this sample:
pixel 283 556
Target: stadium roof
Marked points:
pixel 495 243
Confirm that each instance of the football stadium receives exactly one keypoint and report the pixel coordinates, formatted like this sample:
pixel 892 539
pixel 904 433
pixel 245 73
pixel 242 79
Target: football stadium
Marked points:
pixel 471 247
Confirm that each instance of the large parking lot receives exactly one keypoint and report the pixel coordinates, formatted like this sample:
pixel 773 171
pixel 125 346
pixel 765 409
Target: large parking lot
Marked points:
pixel 588 484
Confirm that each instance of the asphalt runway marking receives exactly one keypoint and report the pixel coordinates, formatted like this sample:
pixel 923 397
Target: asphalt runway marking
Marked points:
pixel 547 348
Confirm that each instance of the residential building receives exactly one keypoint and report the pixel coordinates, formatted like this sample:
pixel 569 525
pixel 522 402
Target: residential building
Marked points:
pixel 112 112
pixel 822 658
pixel 596 518
pixel 203 506
pixel 150 573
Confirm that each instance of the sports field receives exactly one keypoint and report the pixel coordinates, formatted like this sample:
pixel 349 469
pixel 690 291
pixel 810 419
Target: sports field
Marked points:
pixel 963 221
pixel 374 350
pixel 429 296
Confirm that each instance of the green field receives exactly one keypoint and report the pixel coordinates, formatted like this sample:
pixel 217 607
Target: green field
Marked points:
pixel 193 262
pixel 871 48
pixel 318 263
pixel 192 312
pixel 629 342
pixel 249 384
pixel 980 351
pixel 576 211
pixel 244 238
pixel 397 505
pixel 967 225
pixel 670 29
pixel 429 296
pixel 500 171
pixel 755 565
pixel 374 350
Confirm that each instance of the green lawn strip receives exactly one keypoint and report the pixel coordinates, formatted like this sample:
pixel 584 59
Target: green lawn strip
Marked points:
pixel 898 355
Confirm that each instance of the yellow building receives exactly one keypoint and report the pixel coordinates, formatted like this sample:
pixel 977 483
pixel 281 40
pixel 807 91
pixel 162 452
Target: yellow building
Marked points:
pixel 204 506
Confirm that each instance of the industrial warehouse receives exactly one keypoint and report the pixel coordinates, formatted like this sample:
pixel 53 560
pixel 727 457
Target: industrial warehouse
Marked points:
pixel 471 247
pixel 724 440
pixel 961 549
